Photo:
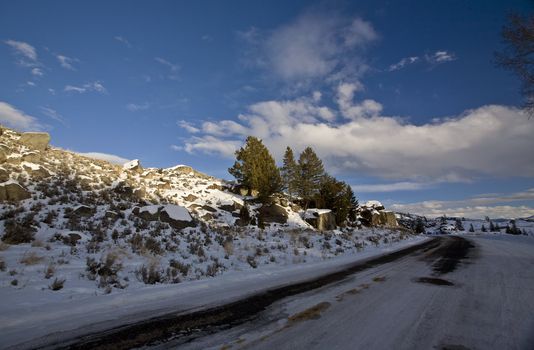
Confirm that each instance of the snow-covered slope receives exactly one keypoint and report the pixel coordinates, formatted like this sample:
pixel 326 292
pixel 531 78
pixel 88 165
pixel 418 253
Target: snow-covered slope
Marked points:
pixel 74 226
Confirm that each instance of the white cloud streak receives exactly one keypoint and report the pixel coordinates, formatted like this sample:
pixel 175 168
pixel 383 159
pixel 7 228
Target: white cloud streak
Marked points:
pixel 14 118
pixel 315 45
pixel 111 158
pixel 123 40
pixel 95 86
pixel 475 207
pixel 66 62
pixel 23 49
pixel 132 107
pixel 390 187
pixel 52 113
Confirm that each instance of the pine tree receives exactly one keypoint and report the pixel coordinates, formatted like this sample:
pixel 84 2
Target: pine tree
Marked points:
pixel 419 226
pixel 336 196
pixel 289 172
pixel 458 224
pixel 491 226
pixel 256 169
pixel 311 174
pixel 471 228
pixel 483 228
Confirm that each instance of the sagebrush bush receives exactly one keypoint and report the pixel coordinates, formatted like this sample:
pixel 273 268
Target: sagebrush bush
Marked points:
pixel 57 284
pixel 18 232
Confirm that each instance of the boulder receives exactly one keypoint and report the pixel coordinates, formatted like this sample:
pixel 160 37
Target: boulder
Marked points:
pixel 373 205
pixel 32 157
pixel 36 171
pixel 272 213
pixel 370 217
pixel 4 175
pixel 176 216
pixel 321 219
pixel 13 192
pixel 3 156
pixel 134 166
pixel 190 198
pixel 149 212
pixel 83 210
pixel 35 140
pixel 388 218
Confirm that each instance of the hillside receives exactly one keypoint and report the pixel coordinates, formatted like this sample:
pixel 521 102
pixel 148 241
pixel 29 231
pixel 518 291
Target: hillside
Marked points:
pixel 73 226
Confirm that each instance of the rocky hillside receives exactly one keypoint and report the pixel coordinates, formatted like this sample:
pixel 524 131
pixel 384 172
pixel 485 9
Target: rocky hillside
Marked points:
pixel 77 224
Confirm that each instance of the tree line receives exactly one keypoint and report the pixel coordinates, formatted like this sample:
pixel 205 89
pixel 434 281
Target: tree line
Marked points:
pixel 304 179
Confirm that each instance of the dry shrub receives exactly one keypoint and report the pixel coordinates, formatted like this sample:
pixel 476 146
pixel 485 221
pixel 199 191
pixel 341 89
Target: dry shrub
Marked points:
pixel 31 258
pixel 57 284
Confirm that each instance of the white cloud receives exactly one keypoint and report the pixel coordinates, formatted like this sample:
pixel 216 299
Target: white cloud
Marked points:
pixel 190 128
pixel 123 40
pixel 66 62
pixel 345 100
pixel 390 187
pixel 435 58
pixel 440 57
pixel 403 62
pixel 210 145
pixel 487 141
pixel 315 45
pixel 23 49
pixel 132 107
pixel 88 87
pixel 31 83
pixel 112 158
pixel 14 118
pixel 475 207
pixel 37 72
pixel 172 66
pixel 52 113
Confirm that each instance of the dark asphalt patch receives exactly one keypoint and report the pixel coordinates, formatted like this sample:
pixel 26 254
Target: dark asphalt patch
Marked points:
pixel 434 281
pixel 449 255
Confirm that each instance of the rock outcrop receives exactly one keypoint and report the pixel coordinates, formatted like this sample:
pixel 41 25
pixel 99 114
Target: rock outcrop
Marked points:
pixel 134 166
pixel 373 213
pixel 13 192
pixel 321 219
pixel 35 140
pixel 176 216
pixel 273 213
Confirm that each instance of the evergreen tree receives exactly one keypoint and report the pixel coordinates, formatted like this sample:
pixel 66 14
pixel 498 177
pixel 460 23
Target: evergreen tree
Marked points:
pixel 419 226
pixel 289 172
pixel 471 228
pixel 491 226
pixel 337 196
pixel 483 229
pixel 458 224
pixel 256 169
pixel 311 174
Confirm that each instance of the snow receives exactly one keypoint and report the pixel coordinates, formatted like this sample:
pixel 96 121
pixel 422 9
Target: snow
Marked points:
pixel 177 212
pixel 23 314
pixel 313 213
pixel 32 166
pixel 373 204
pixel 131 164
pixel 151 209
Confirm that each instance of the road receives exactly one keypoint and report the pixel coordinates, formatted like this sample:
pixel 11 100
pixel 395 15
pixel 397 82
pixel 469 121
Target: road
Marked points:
pixel 466 293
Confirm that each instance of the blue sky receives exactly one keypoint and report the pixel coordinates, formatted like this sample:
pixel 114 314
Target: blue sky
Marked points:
pixel 401 99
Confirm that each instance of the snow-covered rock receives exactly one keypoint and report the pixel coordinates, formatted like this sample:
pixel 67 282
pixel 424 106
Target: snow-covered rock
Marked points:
pixel 321 219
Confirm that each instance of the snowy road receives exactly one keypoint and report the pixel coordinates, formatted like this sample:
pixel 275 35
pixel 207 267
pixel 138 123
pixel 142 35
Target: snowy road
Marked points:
pixel 454 297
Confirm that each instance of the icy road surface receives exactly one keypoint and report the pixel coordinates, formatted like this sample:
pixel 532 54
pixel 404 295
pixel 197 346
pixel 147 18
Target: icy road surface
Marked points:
pixel 478 294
